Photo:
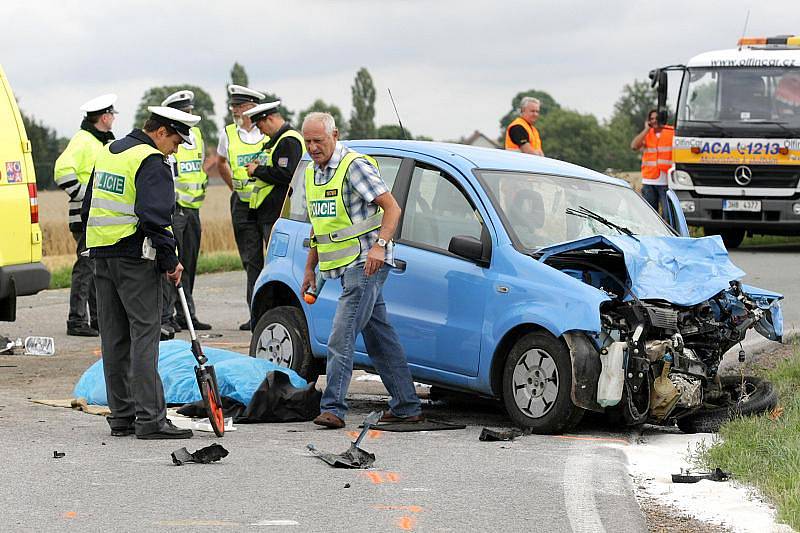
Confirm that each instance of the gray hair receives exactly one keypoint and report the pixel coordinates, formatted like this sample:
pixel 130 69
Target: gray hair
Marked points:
pixel 325 118
pixel 528 100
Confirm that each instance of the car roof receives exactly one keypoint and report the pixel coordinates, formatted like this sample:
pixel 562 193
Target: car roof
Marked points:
pixel 488 158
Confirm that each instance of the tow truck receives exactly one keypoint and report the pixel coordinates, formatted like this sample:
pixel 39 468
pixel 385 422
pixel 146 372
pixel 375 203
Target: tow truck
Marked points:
pixel 737 138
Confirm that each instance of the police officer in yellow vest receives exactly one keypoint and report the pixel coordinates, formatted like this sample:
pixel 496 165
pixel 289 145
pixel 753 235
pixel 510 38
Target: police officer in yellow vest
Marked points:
pixel 353 217
pixel 190 191
pixel 128 212
pixel 273 173
pixel 72 170
pixel 239 144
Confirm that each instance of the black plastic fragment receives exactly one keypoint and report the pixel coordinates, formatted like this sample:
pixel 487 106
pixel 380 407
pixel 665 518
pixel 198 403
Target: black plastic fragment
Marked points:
pixel 717 475
pixel 354 457
pixel 493 435
pixel 58 455
pixel 206 455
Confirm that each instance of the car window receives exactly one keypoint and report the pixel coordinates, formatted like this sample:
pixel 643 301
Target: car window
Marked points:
pixel 437 210
pixel 295 206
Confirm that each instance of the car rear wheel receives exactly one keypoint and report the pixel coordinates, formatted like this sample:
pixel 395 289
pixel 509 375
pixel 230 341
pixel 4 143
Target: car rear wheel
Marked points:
pixel 738 397
pixel 732 237
pixel 281 336
pixel 537 383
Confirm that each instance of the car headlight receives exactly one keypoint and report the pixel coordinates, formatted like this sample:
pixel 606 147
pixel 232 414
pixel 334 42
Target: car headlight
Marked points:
pixel 796 209
pixel 681 177
pixel 687 206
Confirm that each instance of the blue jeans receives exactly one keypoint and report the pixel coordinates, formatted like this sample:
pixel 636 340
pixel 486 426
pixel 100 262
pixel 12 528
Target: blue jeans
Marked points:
pixel 361 309
pixel 656 194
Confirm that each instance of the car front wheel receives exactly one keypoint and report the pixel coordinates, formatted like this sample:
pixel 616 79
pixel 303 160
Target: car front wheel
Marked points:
pixel 537 383
pixel 281 336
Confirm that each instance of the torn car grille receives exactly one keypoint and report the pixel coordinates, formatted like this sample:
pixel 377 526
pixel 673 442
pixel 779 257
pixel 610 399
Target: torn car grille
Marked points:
pixel 663 318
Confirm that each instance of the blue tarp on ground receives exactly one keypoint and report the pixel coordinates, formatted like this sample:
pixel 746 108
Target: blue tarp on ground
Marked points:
pixel 238 375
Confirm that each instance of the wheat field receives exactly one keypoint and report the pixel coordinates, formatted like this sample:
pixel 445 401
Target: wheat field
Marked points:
pixel 58 246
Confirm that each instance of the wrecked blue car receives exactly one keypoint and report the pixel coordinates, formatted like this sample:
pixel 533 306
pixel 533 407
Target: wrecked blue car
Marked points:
pixel 550 287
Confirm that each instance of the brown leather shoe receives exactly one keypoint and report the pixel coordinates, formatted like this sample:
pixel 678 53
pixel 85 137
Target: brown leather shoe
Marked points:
pixel 329 420
pixel 389 418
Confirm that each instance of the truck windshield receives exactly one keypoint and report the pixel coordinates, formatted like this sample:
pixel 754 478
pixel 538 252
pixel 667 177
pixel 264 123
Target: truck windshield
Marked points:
pixel 739 99
pixel 538 210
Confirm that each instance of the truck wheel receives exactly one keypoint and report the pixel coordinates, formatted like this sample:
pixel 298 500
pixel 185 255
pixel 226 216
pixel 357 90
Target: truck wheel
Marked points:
pixel 756 397
pixel 281 336
pixel 537 384
pixel 732 237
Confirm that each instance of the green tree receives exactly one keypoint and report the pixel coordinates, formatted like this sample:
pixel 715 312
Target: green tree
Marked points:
pixel 322 107
pixel 576 138
pixel 46 146
pixel 362 117
pixel 239 77
pixel 548 105
pixel 203 106
pixel 392 131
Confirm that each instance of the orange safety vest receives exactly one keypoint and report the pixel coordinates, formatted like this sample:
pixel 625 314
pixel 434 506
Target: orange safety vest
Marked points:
pixel 533 135
pixel 657 154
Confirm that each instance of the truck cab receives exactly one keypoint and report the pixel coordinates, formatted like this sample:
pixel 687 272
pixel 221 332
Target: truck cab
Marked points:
pixel 21 270
pixel 737 139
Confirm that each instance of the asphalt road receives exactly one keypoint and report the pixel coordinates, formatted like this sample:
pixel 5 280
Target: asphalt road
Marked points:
pixel 432 481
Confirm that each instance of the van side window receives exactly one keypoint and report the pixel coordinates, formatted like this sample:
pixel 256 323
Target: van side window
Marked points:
pixel 294 208
pixel 437 210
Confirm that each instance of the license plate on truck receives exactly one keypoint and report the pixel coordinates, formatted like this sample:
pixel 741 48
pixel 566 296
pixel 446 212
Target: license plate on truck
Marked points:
pixel 741 205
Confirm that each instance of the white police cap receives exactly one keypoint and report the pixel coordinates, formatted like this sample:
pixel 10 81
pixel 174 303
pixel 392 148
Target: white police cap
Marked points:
pixel 176 119
pixel 240 94
pixel 101 104
pixel 179 99
pixel 262 111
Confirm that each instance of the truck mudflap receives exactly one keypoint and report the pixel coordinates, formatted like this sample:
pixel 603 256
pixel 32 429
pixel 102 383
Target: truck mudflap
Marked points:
pixel 586 367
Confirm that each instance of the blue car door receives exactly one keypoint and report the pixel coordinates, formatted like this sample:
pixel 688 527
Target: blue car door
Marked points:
pixel 435 299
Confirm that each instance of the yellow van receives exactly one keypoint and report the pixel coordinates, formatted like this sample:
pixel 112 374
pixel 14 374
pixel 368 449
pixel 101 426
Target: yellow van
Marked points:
pixel 21 270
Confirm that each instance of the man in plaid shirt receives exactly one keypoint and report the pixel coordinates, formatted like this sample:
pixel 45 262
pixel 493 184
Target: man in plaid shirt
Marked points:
pixel 362 269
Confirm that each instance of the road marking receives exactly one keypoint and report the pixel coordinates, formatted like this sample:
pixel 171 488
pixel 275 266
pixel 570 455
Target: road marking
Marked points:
pixel 595 439
pixel 372 434
pixel 190 523
pixel 70 514
pixel 406 523
pixel 579 494
pixel 275 523
pixel 409 508
pixel 387 477
pixel 417 489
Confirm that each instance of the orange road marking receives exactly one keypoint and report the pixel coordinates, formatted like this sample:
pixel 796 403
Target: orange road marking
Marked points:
pixel 406 523
pixel 599 439
pixel 70 514
pixel 372 434
pixel 375 477
pixel 97 352
pixel 392 477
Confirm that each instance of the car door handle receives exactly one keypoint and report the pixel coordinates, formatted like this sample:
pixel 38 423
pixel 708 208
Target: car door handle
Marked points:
pixel 306 243
pixel 400 265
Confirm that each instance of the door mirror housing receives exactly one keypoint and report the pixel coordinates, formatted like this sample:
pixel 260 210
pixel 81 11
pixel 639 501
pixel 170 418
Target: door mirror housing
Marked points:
pixel 468 247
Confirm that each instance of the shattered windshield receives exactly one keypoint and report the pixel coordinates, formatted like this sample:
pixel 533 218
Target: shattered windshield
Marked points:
pixel 762 98
pixel 535 208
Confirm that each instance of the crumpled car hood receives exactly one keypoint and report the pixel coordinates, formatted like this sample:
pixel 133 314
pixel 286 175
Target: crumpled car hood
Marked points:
pixel 681 270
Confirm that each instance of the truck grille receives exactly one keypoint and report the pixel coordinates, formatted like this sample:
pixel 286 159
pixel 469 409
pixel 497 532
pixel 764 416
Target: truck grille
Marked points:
pixel 772 176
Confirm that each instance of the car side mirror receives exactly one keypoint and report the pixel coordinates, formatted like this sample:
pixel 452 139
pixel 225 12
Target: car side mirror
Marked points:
pixel 467 247
pixel 674 216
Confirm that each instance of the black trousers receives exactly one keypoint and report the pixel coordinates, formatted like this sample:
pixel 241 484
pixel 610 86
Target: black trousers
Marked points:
pixel 251 229
pixel 82 291
pixel 128 304
pixel 187 230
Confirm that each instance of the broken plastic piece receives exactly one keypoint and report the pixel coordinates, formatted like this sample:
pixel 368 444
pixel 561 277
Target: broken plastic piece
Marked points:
pixel 717 475
pixel 491 435
pixel 58 455
pixel 354 457
pixel 206 455
pixel 39 346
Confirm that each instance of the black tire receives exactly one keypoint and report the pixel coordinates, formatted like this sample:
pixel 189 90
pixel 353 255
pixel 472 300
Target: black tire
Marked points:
pixel 732 237
pixel 762 397
pixel 548 411
pixel 273 329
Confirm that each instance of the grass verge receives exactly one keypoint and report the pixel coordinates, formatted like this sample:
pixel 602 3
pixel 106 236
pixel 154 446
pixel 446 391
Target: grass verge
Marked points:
pixel 61 277
pixel 764 451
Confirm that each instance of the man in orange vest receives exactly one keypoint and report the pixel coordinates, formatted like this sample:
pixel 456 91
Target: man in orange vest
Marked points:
pixel 521 135
pixel 655 142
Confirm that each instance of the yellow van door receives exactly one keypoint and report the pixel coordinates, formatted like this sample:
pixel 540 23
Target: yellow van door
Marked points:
pixel 16 172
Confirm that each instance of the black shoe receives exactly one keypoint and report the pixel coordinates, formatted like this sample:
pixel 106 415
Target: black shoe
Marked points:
pixel 167 333
pixel 167 431
pixel 201 326
pixel 245 326
pixel 123 431
pixel 82 331
pixel 176 325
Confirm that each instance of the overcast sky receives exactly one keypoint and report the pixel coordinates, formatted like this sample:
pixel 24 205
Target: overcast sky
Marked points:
pixel 453 66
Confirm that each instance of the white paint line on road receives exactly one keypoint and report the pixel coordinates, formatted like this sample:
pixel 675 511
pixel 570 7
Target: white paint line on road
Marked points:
pixel 275 523
pixel 417 489
pixel 579 494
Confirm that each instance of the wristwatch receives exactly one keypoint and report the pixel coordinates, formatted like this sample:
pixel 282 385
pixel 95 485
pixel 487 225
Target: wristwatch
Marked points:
pixel 382 243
